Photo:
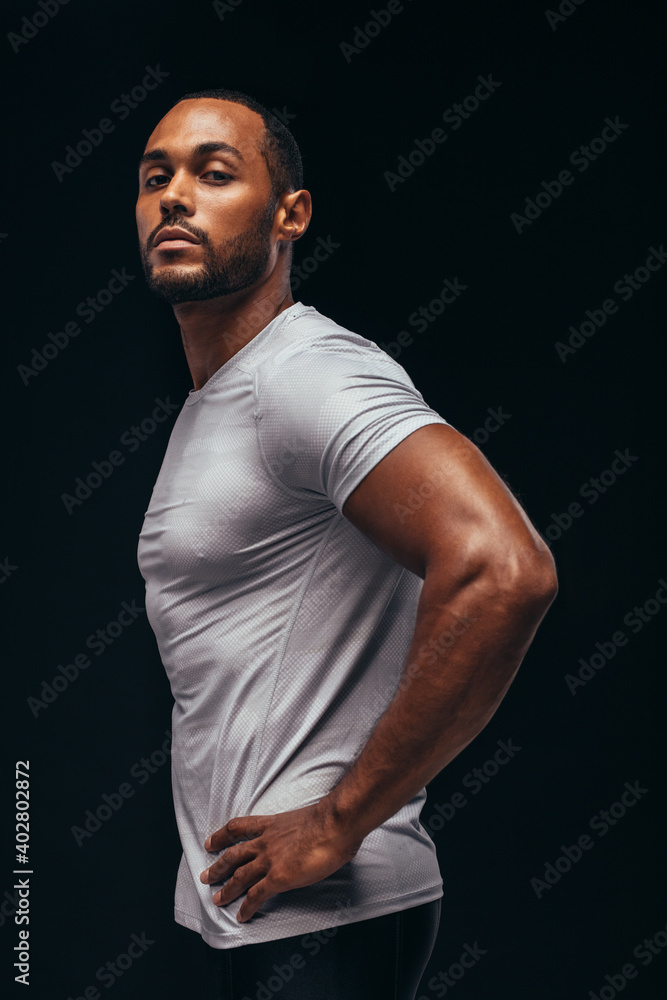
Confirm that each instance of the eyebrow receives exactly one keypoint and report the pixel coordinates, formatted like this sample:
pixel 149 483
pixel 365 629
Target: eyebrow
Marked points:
pixel 203 149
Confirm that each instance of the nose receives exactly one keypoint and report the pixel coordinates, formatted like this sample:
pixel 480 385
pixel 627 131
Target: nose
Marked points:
pixel 177 197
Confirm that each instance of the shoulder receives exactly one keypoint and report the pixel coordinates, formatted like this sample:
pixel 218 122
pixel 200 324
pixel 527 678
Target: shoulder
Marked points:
pixel 320 355
pixel 336 401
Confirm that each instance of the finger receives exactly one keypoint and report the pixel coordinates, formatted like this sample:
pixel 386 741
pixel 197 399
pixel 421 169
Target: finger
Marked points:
pixel 241 881
pixel 238 828
pixel 230 860
pixel 257 895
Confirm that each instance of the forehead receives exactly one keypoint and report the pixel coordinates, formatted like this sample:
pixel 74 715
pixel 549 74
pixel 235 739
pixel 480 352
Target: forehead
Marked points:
pixel 207 119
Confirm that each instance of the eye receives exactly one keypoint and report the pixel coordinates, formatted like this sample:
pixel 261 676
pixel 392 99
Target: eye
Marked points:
pixel 221 174
pixel 154 177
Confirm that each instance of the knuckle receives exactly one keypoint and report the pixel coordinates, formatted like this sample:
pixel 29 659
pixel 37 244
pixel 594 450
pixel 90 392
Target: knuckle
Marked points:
pixel 238 876
pixel 280 880
pixel 228 858
pixel 254 894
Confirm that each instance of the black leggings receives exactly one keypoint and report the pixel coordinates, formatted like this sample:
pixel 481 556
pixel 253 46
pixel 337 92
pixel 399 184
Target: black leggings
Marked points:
pixel 383 958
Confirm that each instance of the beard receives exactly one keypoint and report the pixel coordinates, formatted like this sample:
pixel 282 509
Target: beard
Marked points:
pixel 234 265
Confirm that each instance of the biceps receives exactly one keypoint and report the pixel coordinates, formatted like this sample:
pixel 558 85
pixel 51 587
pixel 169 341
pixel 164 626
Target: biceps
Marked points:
pixel 434 499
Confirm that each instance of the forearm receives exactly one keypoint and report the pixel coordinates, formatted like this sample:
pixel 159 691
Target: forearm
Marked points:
pixel 466 649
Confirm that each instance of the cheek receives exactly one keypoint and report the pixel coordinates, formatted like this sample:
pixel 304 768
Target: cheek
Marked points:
pixel 147 217
pixel 142 229
pixel 228 215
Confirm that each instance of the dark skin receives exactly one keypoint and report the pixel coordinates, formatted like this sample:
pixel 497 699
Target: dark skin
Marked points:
pixel 488 577
pixel 222 195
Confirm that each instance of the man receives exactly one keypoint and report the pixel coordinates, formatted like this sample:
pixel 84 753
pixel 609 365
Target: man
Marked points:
pixel 341 587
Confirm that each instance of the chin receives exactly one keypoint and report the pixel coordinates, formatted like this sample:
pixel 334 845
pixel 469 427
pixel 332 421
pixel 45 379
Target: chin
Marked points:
pixel 176 296
pixel 174 285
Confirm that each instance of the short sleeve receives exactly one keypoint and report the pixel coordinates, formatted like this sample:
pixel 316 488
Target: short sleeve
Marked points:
pixel 326 417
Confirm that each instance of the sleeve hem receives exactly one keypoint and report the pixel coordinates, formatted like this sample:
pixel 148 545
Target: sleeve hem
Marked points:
pixel 400 433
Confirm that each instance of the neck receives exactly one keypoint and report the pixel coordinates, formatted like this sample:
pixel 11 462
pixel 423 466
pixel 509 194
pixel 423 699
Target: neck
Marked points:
pixel 215 330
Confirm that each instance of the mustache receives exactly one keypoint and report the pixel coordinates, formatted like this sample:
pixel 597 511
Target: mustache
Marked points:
pixel 176 221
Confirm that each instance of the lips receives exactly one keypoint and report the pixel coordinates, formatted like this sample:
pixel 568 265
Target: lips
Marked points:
pixel 175 236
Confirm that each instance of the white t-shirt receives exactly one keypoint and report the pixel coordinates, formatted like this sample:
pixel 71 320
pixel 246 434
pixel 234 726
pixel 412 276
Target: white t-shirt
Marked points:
pixel 282 628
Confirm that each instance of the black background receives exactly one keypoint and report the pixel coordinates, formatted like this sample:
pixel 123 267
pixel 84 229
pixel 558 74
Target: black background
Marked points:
pixel 66 574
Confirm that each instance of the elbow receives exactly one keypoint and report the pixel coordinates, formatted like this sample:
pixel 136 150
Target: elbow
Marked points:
pixel 530 578
pixel 543 583
pixel 516 575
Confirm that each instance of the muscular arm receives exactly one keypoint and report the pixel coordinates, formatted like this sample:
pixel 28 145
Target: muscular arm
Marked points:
pixel 436 506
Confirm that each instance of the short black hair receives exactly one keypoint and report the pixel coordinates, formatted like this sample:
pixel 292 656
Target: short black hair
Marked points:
pixel 278 146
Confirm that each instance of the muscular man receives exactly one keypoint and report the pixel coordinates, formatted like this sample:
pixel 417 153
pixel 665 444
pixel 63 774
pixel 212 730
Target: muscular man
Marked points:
pixel 341 587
